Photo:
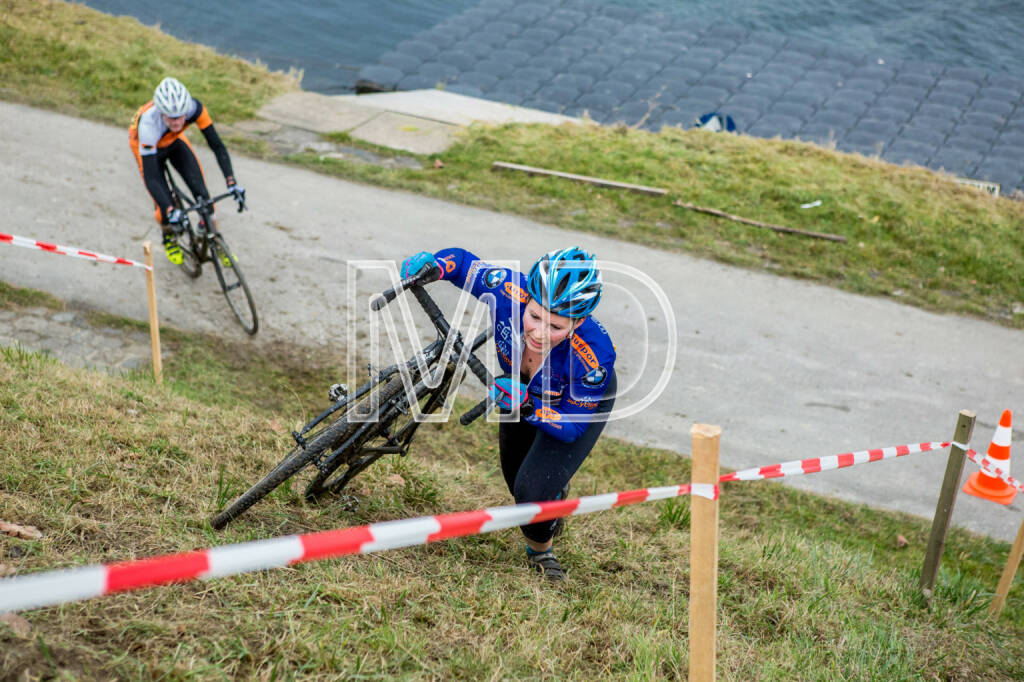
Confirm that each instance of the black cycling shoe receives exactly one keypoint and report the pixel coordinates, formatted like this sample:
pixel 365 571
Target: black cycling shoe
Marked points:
pixel 547 565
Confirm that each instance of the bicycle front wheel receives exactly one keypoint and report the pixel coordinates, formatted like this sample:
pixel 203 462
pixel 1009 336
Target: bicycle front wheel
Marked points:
pixel 190 262
pixel 232 282
pixel 298 458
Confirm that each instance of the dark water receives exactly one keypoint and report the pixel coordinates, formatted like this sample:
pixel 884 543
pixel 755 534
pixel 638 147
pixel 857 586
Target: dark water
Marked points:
pixel 328 39
pixel 331 39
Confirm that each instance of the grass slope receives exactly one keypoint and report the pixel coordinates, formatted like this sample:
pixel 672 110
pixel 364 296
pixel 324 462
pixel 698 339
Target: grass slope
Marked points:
pixel 113 468
pixel 912 234
pixel 75 60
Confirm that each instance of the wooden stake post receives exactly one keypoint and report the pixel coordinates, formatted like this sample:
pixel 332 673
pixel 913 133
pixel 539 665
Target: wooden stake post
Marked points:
pixel 944 508
pixel 703 555
pixel 154 322
pixel 1009 571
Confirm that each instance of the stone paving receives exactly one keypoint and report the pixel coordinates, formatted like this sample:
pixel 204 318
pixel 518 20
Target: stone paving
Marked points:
pixel 69 337
pixel 620 65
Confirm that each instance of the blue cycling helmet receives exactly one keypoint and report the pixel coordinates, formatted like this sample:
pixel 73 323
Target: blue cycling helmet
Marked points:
pixel 566 282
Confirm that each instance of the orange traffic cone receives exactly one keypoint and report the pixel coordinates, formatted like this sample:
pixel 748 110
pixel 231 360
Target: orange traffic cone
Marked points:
pixel 989 486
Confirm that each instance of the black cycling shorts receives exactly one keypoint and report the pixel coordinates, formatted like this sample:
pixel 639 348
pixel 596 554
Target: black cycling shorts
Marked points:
pixel 537 466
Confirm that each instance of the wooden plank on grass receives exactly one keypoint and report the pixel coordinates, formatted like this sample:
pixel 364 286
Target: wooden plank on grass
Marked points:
pixel 599 182
pixel 757 223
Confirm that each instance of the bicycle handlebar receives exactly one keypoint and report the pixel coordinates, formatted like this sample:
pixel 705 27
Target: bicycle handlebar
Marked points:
pixel 474 413
pixel 432 274
pixel 486 405
pixel 208 203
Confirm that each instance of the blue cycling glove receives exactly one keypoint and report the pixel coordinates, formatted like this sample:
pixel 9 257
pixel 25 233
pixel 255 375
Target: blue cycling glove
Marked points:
pixel 508 393
pixel 414 264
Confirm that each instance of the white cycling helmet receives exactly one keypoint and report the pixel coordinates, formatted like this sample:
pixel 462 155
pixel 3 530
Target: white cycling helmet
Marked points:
pixel 171 98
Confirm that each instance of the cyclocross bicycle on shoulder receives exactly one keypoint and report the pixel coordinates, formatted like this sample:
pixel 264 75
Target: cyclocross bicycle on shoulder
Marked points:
pixel 378 419
pixel 201 242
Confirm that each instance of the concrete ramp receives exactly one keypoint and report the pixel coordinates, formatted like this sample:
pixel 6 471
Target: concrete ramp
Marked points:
pixel 418 121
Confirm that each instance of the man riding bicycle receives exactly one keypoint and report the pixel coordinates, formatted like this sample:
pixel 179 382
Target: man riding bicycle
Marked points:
pixel 156 136
pixel 543 327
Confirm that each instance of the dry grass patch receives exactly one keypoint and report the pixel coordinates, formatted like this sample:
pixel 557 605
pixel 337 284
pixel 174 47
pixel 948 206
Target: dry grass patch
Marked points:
pixel 112 468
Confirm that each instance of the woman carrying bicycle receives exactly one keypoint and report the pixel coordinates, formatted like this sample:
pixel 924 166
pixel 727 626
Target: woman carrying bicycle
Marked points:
pixel 543 330
pixel 157 135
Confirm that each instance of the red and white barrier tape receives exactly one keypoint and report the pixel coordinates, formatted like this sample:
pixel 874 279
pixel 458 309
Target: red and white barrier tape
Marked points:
pixel 815 464
pixel 57 587
pixel 990 466
pixel 67 250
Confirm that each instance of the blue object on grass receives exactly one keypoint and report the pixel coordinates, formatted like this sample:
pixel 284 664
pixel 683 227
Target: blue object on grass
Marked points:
pixel 716 122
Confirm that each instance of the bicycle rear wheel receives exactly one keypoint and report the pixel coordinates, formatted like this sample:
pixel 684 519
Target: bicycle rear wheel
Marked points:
pixel 333 435
pixel 233 283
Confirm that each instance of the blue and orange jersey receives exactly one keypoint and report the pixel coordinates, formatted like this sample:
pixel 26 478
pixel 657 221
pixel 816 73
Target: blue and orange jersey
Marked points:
pixel 575 373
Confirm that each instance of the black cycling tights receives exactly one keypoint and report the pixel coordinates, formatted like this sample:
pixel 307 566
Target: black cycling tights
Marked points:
pixel 537 466
pixel 185 162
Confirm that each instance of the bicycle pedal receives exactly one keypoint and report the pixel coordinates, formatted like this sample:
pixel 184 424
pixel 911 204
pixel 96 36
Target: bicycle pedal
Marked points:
pixel 349 503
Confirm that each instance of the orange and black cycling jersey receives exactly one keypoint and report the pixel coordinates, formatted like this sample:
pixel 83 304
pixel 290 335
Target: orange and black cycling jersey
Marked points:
pixel 150 138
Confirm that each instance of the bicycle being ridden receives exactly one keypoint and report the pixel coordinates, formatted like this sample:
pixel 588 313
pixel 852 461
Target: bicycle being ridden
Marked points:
pixel 157 137
pixel 542 327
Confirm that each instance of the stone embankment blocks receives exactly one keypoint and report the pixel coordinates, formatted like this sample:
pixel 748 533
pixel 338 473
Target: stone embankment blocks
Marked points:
pixel 617 64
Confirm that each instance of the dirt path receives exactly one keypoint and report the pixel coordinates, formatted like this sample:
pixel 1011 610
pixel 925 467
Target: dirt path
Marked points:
pixel 789 369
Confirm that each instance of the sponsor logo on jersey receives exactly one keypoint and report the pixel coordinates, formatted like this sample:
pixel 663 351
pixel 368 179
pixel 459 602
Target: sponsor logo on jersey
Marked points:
pixel 550 397
pixel 515 293
pixel 596 376
pixel 493 278
pixel 547 414
pixel 503 340
pixel 585 404
pixel 585 352
pixel 449 264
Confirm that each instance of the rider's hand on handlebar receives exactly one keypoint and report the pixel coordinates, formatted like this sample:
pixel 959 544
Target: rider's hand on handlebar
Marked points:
pixel 413 265
pixel 508 393
pixel 238 193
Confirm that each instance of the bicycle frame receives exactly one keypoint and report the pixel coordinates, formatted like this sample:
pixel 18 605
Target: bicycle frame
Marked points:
pixel 429 356
pixel 384 429
pixel 200 235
